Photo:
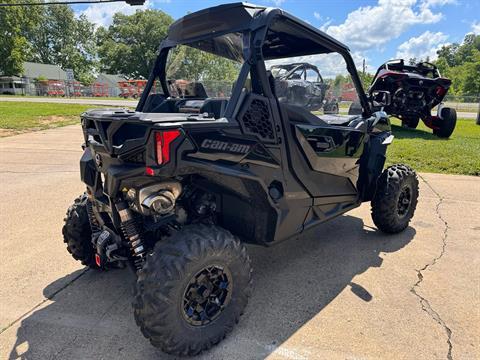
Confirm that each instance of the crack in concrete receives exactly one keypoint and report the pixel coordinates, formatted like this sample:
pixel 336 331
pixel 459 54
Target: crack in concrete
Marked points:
pixel 50 297
pixel 426 306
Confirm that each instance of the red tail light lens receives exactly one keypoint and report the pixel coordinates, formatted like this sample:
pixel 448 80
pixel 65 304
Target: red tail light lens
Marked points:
pixel 149 171
pixel 163 140
pixel 440 91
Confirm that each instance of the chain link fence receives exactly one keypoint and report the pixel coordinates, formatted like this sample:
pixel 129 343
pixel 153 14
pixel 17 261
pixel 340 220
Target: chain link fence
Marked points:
pixel 55 88
pixel 463 103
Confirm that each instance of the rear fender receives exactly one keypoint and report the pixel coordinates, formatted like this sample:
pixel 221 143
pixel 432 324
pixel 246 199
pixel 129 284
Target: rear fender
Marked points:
pixel 88 172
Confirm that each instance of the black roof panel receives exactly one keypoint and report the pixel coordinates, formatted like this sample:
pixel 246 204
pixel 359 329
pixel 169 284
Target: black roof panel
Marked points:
pixel 217 19
pixel 287 36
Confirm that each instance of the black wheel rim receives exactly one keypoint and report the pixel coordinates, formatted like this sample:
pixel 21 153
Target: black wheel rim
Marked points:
pixel 206 295
pixel 404 201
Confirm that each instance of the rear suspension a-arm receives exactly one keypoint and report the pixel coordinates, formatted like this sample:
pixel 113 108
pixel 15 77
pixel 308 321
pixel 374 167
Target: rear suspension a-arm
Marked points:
pixel 431 121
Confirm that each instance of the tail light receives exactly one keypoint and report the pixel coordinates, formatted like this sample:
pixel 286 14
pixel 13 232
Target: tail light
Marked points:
pixel 163 140
pixel 440 91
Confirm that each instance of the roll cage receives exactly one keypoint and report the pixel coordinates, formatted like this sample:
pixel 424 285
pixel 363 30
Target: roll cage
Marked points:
pixel 262 34
pixel 292 68
pixel 398 65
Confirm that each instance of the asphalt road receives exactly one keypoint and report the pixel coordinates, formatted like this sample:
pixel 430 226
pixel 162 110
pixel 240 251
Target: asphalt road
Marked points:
pixel 341 291
pixel 131 103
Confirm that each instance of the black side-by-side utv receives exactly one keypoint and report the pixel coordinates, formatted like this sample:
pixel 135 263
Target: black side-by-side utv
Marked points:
pixel 302 84
pixel 176 187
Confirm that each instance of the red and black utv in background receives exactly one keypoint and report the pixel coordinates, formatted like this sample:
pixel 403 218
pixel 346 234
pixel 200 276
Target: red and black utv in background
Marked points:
pixel 415 90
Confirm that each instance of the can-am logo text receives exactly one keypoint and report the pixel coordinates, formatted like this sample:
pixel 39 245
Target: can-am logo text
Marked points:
pixel 225 146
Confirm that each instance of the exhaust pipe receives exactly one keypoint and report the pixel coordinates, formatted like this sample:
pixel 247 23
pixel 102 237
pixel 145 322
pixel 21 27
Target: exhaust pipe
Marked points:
pixel 160 198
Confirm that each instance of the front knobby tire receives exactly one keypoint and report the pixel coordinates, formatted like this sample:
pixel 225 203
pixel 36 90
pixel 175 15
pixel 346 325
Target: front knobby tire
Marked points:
pixel 77 233
pixel 395 199
pixel 447 123
pixel 410 122
pixel 192 289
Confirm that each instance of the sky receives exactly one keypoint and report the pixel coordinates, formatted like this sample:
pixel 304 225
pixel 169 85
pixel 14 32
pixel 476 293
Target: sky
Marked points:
pixel 374 30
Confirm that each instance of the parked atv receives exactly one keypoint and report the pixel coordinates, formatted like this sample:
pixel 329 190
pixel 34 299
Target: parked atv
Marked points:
pixel 301 84
pixel 415 91
pixel 175 188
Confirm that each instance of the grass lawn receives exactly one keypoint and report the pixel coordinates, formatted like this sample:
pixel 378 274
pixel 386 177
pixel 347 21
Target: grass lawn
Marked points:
pixel 419 148
pixel 16 117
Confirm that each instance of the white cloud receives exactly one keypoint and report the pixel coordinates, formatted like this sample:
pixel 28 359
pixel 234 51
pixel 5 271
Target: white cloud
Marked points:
pixel 476 27
pixel 277 2
pixel 102 14
pixel 326 24
pixel 373 26
pixel 329 65
pixel 316 15
pixel 423 46
pixel 432 3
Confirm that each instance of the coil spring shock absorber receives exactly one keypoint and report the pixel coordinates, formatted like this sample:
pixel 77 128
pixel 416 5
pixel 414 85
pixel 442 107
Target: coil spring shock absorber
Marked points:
pixel 131 233
pixel 94 225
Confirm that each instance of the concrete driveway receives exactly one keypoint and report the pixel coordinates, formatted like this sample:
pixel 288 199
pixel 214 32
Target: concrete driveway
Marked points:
pixel 341 291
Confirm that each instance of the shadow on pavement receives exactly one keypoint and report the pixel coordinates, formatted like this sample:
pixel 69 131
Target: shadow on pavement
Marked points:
pixel 294 281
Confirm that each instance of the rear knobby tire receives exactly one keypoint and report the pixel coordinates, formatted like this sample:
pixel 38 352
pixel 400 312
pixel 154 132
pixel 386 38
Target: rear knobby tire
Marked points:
pixel 77 233
pixel 447 123
pixel 333 109
pixel 161 289
pixel 391 212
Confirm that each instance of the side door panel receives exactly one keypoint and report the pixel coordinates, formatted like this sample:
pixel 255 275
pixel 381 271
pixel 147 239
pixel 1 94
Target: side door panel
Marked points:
pixel 332 150
pixel 317 183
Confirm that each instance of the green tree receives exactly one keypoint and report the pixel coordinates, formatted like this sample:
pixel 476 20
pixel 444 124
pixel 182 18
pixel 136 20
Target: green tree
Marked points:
pixel 62 39
pixel 465 77
pixel 461 64
pixel 366 79
pixel 340 80
pixel 129 45
pixel 192 64
pixel 15 23
pixel 447 52
pixel 442 65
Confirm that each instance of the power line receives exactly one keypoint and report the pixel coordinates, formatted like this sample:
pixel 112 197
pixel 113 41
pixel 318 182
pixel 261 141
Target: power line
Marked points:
pixel 130 2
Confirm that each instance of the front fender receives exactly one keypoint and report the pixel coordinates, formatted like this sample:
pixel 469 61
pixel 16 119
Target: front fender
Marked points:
pixel 372 162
